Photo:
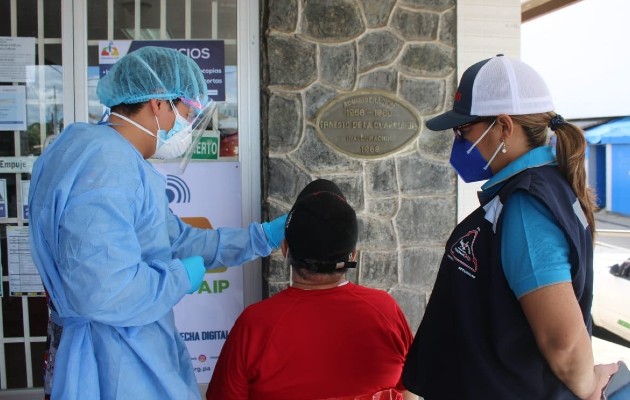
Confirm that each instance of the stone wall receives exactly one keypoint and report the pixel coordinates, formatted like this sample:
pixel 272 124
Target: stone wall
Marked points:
pixel 315 50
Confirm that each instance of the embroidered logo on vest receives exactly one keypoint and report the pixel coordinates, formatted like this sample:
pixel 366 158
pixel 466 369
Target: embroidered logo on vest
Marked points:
pixel 463 252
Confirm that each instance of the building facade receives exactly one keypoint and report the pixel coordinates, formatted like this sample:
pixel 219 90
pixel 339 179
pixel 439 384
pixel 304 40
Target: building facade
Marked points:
pixel 289 64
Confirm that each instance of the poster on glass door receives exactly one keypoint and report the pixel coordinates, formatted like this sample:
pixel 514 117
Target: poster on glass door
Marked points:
pixel 3 199
pixel 209 55
pixel 16 53
pixel 12 108
pixel 25 185
pixel 24 279
pixel 207 195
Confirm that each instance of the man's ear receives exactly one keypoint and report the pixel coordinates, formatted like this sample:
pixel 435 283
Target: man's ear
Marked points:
pixel 353 255
pixel 284 247
pixel 155 105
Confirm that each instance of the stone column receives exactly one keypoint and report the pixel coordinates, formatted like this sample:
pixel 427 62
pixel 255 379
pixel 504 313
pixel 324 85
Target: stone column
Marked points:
pixel 316 50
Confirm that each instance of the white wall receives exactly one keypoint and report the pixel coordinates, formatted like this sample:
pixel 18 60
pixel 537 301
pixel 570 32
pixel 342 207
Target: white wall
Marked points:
pixel 485 28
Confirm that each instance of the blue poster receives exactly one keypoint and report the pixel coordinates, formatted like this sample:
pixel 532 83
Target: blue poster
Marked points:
pixel 209 55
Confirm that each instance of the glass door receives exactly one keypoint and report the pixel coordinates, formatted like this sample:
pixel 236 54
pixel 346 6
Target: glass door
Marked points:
pixel 50 61
pixel 31 110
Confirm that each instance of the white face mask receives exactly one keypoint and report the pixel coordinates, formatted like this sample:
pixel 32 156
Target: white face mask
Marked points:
pixel 171 144
pixel 175 142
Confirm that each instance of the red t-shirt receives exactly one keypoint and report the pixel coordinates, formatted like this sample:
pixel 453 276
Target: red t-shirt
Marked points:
pixel 314 344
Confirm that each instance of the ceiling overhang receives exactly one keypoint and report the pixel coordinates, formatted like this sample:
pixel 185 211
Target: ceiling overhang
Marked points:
pixel 531 9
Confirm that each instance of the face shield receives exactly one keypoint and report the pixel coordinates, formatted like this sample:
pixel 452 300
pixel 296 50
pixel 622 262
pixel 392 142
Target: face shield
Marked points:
pixel 186 139
pixel 199 117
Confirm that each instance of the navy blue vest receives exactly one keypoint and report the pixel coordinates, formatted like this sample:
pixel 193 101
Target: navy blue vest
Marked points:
pixel 474 341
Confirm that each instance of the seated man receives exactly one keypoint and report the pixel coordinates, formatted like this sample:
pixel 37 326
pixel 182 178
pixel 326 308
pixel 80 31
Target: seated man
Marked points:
pixel 323 337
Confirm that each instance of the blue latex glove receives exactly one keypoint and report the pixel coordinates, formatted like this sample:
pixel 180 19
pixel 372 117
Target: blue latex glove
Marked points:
pixel 274 230
pixel 195 270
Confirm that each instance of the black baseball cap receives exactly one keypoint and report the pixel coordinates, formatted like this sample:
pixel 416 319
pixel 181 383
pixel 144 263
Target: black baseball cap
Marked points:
pixel 321 229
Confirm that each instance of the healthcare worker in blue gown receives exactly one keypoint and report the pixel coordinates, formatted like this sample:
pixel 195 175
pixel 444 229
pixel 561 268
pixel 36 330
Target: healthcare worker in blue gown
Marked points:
pixel 113 258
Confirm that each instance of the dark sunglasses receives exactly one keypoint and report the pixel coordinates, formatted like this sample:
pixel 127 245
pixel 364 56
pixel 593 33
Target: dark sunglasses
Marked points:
pixel 458 129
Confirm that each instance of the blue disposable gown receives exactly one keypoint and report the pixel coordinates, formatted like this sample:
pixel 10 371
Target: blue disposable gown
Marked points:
pixel 107 248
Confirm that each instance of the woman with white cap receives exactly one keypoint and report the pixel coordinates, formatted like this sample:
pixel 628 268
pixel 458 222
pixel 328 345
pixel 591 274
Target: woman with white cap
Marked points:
pixel 509 315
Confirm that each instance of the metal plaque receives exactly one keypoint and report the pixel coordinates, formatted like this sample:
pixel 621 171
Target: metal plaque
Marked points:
pixel 367 124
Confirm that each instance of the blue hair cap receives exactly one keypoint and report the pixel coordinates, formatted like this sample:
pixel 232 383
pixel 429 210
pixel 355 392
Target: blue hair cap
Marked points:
pixel 152 73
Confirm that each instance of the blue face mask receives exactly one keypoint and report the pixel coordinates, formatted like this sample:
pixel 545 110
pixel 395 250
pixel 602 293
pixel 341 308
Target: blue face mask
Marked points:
pixel 180 124
pixel 468 161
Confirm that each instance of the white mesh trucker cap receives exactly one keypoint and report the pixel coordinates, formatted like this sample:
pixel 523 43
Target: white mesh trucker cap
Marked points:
pixel 498 85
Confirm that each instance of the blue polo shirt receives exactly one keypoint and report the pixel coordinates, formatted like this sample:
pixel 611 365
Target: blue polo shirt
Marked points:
pixel 530 263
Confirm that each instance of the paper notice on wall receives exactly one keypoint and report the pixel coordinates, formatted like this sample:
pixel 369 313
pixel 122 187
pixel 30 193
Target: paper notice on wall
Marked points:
pixel 24 280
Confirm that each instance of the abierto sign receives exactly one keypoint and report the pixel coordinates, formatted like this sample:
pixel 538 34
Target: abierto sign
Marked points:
pixel 367 124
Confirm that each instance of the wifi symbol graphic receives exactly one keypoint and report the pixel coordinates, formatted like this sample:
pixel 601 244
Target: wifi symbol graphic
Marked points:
pixel 177 191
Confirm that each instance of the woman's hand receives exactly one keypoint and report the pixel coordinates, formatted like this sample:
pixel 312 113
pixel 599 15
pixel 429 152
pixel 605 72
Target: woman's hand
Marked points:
pixel 558 326
pixel 603 372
